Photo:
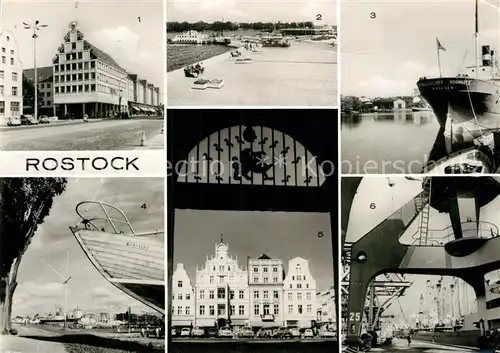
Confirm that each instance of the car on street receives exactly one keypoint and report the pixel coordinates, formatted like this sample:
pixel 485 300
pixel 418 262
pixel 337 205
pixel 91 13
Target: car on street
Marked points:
pixel 44 119
pixel 174 332
pixel 13 121
pixel 308 333
pixel 212 332
pixel 295 332
pixel 328 333
pixel 246 332
pixel 282 332
pixel 198 332
pixel 29 120
pixel 185 332
pixel 225 332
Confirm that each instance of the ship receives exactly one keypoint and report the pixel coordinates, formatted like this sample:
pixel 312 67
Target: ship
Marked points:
pixel 132 262
pixel 472 96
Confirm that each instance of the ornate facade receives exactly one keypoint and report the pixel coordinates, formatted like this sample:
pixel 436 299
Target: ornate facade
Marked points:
pixel 221 290
pixel 182 298
pixel 300 294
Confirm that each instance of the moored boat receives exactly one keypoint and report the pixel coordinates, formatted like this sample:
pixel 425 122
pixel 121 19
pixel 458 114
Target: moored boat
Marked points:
pixel 132 262
pixel 472 95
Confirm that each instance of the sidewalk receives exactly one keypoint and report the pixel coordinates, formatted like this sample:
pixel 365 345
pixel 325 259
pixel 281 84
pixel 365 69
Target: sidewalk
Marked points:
pixel 156 142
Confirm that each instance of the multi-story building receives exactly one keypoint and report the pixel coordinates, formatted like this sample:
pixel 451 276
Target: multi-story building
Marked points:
pixel 182 298
pixel 45 79
pixel 11 84
pixel 325 307
pixel 87 80
pixel 299 294
pixel 221 291
pixel 265 283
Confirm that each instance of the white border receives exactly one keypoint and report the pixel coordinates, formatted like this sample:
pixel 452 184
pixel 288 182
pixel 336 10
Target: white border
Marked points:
pixel 339 183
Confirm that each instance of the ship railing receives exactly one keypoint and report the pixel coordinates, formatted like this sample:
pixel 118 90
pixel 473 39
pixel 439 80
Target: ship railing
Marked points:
pixel 104 221
pixel 439 237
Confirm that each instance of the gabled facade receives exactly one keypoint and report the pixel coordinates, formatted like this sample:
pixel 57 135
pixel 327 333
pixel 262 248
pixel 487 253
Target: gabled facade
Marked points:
pixel 182 298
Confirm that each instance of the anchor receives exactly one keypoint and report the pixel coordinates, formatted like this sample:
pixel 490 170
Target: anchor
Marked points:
pixel 468 252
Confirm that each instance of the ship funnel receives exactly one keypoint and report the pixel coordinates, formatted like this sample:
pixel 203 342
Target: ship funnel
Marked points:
pixel 486 55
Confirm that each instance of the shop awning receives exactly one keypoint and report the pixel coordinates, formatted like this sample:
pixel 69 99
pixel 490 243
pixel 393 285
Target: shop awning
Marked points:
pixel 136 108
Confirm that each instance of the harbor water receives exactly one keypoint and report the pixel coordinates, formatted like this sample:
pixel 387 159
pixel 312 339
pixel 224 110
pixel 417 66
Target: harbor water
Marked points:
pixel 393 142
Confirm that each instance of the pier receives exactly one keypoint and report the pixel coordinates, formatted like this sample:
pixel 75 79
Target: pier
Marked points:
pixel 304 74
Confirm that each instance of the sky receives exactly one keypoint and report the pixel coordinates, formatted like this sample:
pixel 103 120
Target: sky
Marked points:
pixel 389 199
pixel 39 277
pixel 280 235
pixel 386 55
pixel 112 26
pixel 252 11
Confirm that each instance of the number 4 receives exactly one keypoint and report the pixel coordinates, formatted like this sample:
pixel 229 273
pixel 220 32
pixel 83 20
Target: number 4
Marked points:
pixel 355 317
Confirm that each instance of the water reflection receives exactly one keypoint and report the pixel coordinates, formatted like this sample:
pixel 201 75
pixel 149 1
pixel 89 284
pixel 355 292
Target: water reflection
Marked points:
pixel 400 142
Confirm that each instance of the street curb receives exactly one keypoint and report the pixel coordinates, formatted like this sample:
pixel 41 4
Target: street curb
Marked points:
pixel 451 345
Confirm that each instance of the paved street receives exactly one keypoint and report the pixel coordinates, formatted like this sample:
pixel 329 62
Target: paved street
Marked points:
pixel 400 345
pixel 98 135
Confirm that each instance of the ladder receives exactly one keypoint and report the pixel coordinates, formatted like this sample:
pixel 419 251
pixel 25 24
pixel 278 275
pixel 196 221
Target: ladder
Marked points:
pixel 424 206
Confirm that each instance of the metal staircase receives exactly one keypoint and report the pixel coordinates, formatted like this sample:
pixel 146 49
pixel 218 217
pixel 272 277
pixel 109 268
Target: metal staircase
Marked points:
pixel 422 206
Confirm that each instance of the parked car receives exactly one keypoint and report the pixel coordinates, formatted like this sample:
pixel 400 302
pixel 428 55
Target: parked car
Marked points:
pixel 212 332
pixel 44 119
pixel 28 120
pixel 282 332
pixel 328 333
pixel 225 332
pixel 295 332
pixel 13 121
pixel 185 332
pixel 174 332
pixel 308 333
pixel 198 332
pixel 246 332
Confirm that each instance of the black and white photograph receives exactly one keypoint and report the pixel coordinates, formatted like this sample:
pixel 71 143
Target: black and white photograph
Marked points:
pixel 420 263
pixel 241 53
pixel 252 231
pixel 82 265
pixel 420 87
pixel 82 75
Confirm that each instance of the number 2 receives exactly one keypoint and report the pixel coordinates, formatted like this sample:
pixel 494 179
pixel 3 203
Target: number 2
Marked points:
pixel 319 17
pixel 355 317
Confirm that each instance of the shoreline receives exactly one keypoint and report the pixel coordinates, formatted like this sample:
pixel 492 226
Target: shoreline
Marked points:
pixel 203 58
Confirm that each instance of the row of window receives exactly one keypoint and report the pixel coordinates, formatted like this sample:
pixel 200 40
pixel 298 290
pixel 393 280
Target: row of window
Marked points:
pixel 74 89
pixel 75 66
pixel 14 108
pixel 14 75
pixel 4 51
pixel 265 279
pixel 75 77
pixel 265 269
pixel 299 296
pixel 221 310
pixel 221 294
pixel 299 309
pixel 265 294
pixel 180 296
pixel 187 310
pixel 14 91
pixel 4 60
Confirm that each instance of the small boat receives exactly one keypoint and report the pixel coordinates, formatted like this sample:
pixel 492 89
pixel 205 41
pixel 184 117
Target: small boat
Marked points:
pixel 132 262
pixel 243 61
pixel 421 109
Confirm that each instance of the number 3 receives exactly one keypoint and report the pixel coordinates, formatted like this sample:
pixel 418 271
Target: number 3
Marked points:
pixel 319 17
pixel 355 317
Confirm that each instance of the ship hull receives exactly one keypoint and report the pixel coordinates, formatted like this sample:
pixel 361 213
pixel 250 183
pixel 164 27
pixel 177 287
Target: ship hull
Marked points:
pixel 463 99
pixel 468 338
pixel 134 264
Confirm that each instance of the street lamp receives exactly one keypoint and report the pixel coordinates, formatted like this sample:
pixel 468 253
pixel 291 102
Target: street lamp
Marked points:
pixel 35 27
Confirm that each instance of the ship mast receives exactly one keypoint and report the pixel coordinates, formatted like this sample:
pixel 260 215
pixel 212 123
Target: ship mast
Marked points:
pixel 476 39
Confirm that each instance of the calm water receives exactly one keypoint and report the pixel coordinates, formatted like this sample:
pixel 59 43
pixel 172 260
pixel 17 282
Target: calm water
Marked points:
pixel 395 142
pixel 179 56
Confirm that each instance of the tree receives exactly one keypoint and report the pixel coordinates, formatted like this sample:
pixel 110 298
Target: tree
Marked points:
pixel 24 204
pixel 29 94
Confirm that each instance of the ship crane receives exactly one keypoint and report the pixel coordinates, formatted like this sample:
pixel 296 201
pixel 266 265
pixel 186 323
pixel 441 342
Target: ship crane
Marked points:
pixel 383 292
